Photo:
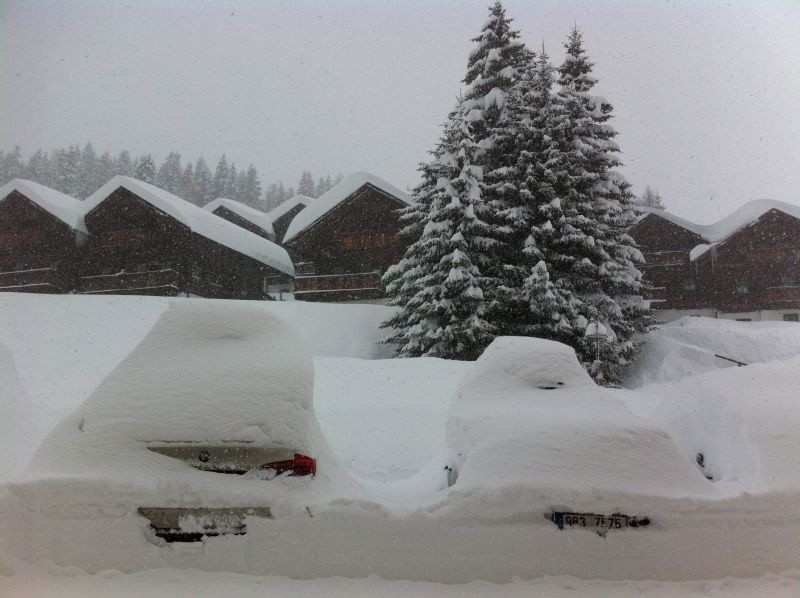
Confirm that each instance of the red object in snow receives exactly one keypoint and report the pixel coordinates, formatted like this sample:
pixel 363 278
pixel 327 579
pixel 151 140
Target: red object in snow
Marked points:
pixel 300 465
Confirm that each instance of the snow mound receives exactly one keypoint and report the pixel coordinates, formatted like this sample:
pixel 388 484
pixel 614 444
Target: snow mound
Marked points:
pixel 202 374
pixel 517 363
pixel 688 346
pixel 744 429
pixel 529 422
pixel 64 207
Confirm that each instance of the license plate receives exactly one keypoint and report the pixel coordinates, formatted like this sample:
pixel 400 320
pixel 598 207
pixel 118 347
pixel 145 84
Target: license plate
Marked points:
pixel 591 521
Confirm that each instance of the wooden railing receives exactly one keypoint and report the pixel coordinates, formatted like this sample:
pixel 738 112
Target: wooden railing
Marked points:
pixel 337 282
pixel 130 281
pixel 782 295
pixel 46 279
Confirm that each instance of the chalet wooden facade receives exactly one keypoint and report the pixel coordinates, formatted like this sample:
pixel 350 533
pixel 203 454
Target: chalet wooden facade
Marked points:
pixel 145 241
pixel 345 241
pixel 746 266
pixel 40 231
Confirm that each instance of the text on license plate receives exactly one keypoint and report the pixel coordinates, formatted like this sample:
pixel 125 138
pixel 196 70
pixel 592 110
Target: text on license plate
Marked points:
pixel 590 520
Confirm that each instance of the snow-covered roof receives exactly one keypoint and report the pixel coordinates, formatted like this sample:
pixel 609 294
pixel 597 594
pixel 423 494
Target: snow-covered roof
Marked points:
pixel 722 229
pixel 257 217
pixel 324 204
pixel 289 205
pixel 67 209
pixel 199 221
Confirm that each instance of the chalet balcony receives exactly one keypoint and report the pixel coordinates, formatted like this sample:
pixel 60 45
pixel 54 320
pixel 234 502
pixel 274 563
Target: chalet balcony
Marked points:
pixel 333 287
pixel 153 282
pixel 782 296
pixel 39 280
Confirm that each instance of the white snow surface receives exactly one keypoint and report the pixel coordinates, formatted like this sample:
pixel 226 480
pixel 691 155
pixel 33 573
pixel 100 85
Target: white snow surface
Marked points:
pixel 688 346
pixel 198 220
pixel 52 581
pixel 289 205
pixel 257 217
pixel 527 429
pixel 64 207
pixel 328 201
pixel 62 347
pixel 724 228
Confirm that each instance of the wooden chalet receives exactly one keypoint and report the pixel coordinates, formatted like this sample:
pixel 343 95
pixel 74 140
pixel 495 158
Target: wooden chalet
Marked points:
pixel 248 218
pixel 40 231
pixel 146 241
pixel 344 242
pixel 746 266
pixel 283 215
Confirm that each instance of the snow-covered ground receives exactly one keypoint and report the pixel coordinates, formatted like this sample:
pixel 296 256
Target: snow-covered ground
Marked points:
pixel 524 428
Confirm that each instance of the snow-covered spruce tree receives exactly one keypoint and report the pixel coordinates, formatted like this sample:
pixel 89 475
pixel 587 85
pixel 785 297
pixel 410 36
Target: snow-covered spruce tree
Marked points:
pixel 541 177
pixel 593 250
pixel 145 169
pixel 495 67
pixel 169 174
pixel 483 228
pixel 438 284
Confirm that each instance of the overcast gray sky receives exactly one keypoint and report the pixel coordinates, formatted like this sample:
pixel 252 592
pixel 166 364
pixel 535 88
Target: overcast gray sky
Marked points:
pixel 707 94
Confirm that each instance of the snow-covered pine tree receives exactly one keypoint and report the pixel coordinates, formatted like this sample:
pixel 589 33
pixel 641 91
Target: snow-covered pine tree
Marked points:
pixel 252 189
pixel 104 171
pixel 594 250
pixel 230 189
pixel 438 285
pixel 220 180
pixel 13 167
pixel 169 174
pixel 69 171
pixel 87 172
pixel 651 198
pixel 124 164
pixel 38 168
pixel 495 66
pixel 203 183
pixel 187 188
pixel 144 169
pixel 306 184
pixel 541 179
pixel 240 187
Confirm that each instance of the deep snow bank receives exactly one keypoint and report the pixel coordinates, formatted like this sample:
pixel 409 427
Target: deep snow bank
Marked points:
pixel 687 347
pixel 62 346
pixel 203 375
pixel 530 421
pixel 745 422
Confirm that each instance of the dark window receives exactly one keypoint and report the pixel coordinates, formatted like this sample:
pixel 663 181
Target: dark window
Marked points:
pixel 791 317
pixel 744 319
pixel 689 284
pixel 742 287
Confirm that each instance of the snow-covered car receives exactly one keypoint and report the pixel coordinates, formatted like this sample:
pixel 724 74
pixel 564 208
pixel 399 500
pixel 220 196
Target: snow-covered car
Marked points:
pixel 207 423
